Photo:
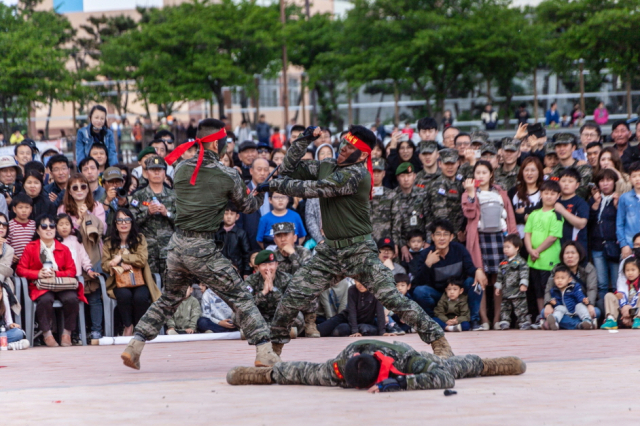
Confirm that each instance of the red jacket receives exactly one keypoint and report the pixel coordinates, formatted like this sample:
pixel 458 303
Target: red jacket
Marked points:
pixel 30 265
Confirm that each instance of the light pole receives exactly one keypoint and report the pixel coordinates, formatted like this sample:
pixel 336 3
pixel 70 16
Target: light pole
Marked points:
pixel 285 90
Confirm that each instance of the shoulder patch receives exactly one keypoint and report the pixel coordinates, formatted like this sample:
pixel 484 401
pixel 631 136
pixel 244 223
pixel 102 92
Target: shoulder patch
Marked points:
pixel 134 203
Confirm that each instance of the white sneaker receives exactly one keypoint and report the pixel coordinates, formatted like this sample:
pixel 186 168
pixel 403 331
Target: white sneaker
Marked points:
pixel 172 333
pixel 595 323
pixel 19 345
pixel 502 325
pixel 485 327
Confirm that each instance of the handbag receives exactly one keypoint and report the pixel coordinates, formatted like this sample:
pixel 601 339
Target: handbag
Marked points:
pixel 611 249
pixel 128 279
pixel 57 284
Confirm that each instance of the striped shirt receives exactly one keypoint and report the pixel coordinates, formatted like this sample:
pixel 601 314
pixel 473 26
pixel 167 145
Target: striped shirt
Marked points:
pixel 20 234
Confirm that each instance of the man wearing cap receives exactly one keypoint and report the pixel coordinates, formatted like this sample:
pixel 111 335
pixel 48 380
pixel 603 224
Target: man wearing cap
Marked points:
pixel 203 189
pixel 621 135
pixel 489 152
pixel 428 153
pixel 247 153
pixel 344 187
pixel 469 146
pixel 507 175
pixel 9 171
pixel 381 202
pixel 444 196
pixel 550 159
pixel 140 172
pixel 268 285
pixel 155 218
pixel 565 144
pixel 113 181
pixel 406 210
pixel 161 151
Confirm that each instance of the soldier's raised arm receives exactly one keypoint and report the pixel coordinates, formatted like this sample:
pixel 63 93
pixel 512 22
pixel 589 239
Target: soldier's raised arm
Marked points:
pixel 343 181
pixel 292 166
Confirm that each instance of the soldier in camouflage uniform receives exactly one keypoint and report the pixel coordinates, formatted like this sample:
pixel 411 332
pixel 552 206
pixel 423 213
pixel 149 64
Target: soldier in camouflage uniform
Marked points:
pixel 203 188
pixel 564 145
pixel 507 179
pixel 512 284
pixel 156 221
pixel 344 188
pixel 381 202
pixel 406 211
pixel 405 369
pixel 479 140
pixel 444 196
pixel 428 153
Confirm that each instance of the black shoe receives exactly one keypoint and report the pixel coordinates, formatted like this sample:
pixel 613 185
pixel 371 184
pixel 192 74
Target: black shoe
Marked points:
pixel 476 326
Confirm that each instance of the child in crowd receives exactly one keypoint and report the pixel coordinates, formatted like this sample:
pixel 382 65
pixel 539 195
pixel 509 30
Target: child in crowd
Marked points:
pixel 236 242
pixel 567 298
pixel 542 240
pixel 550 160
pixel 403 284
pixel 512 284
pixel 574 209
pixel 15 336
pixel 628 219
pixel 185 319
pixel 387 252
pixel 415 241
pixel 452 311
pixel 623 305
pixel 216 314
pixel 280 213
pixel 21 228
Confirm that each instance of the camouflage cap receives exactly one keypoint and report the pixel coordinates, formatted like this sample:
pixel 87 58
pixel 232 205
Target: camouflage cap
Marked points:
pixel 510 144
pixel 379 164
pixel 405 168
pixel 479 136
pixel 265 256
pixel 112 173
pixel 427 147
pixel 283 228
pixel 549 149
pixel 488 148
pixel 564 138
pixel 386 242
pixel 156 162
pixel 449 155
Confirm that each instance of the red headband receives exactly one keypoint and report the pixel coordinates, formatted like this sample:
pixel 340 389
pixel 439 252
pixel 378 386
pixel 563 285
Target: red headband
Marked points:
pixel 353 140
pixel 386 366
pixel 171 158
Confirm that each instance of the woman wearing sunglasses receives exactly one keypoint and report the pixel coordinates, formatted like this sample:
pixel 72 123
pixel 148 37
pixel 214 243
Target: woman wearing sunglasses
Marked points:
pixel 58 262
pixel 78 203
pixel 32 185
pixel 126 250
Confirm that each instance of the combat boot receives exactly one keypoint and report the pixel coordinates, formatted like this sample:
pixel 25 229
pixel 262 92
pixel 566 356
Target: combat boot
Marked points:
pixel 249 376
pixel 277 348
pixel 441 348
pixel 131 355
pixel 310 329
pixel 505 366
pixel 293 333
pixel 265 356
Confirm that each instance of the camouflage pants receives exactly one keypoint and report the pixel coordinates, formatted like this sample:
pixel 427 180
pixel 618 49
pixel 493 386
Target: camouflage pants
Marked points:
pixel 202 260
pixel 158 266
pixel 519 305
pixel 359 261
pixel 439 375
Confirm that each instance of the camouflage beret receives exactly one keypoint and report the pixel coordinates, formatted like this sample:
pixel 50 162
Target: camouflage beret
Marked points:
pixel 479 136
pixel 379 164
pixel 488 148
pixel 265 256
pixel 549 148
pixel 283 228
pixel 156 162
pixel 449 155
pixel 564 138
pixel 405 168
pixel 427 147
pixel 510 144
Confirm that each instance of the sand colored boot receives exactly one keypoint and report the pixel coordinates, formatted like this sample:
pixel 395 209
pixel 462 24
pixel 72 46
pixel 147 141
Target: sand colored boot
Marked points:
pixel 265 355
pixel 249 376
pixel 441 348
pixel 131 355
pixel 505 366
pixel 310 329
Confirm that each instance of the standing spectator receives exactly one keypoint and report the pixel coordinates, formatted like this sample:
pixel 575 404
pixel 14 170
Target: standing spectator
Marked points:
pixel 243 131
pixel 313 220
pixel 507 174
pixel 33 186
pixel 126 250
pixel 247 153
pixel 522 115
pixel 621 135
pixel 236 243
pixel 168 138
pixel 573 209
pixel 600 114
pixel 447 119
pixel 23 153
pixel 140 172
pixel 564 146
pixel 79 203
pixel 264 151
pixel 115 186
pixel 428 153
pixel 593 151
pixel 21 228
pixel 46 249
pixel 381 203
pixel 16 137
pixel 525 196
pixel 552 119
pixel 628 219
pixel 408 130
pixel 192 129
pixel 263 130
pixel 400 151
pixel 489 118
pixel 406 210
pixel 9 172
pixel 59 166
pixel 99 153
pixel 162 150
pixel 90 169
pixel 448 136
pixel 512 285
pixel 427 129
pixel 589 132
pixel 609 159
pixel 250 222
pixel 97 131
pixel 276 140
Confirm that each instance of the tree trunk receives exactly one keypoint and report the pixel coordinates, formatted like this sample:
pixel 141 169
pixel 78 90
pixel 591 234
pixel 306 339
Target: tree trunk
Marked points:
pixel 46 126
pixel 488 90
pixel 350 113
pixel 396 108
pixel 535 95
pixel 629 106
pixel 380 107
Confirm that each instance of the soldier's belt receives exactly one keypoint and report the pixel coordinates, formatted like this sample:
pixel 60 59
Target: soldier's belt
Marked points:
pixel 195 234
pixel 338 244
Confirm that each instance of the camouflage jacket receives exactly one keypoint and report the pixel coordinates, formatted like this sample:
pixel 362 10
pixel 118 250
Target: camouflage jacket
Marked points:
pixel 511 275
pixel 157 228
pixel 290 264
pixel 381 212
pixel 586 173
pixel 444 200
pixel 268 303
pixel 407 214
pixel 424 179
pixel 466 171
pixel 506 180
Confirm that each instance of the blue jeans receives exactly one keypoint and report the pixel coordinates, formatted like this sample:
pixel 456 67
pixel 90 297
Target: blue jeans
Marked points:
pixel 205 324
pixel 428 297
pixel 607 273
pixel 95 310
pixel 572 322
pixel 464 324
pixel 14 335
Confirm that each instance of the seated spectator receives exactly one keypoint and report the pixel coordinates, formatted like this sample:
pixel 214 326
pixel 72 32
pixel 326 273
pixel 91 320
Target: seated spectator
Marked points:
pixel 403 285
pixel 9 172
pixel 364 316
pixel 512 285
pixel 133 187
pixel 216 314
pixel 185 319
pixel 415 242
pixel 628 219
pixel 126 250
pixel 452 311
pixel 21 228
pixel 333 300
pixel 33 185
pixel 114 183
pixel 162 149
pixel 43 258
pixel 567 299
pixel 236 242
pixel 15 335
pixel 83 263
pixel 387 253
pixel 621 307
pixel 59 167
pixel 140 172
pixel 99 153
pixel 444 261
pixel 279 214
pixel 290 256
pixel 609 159
pixel 81 206
pixel 89 169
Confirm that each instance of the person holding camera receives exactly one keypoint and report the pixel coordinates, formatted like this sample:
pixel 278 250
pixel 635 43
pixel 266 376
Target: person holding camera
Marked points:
pixel 115 196
pixel 9 185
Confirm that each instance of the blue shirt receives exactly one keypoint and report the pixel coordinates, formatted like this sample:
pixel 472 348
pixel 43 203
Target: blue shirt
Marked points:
pixel 579 207
pixel 265 227
pixel 552 116
pixel 628 220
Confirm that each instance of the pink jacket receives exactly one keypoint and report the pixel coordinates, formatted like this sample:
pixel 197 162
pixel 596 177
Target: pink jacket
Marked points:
pixel 601 116
pixel 98 211
pixel 472 212
pixel 78 253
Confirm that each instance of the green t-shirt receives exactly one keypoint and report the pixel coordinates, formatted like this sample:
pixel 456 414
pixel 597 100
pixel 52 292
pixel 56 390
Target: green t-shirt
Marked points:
pixel 541 225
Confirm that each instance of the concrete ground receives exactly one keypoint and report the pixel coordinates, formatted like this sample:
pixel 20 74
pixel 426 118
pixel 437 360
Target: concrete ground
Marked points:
pixel 573 377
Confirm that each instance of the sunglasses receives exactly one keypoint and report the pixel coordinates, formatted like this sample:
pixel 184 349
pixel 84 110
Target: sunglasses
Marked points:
pixel 263 151
pixel 78 188
pixel 4 224
pixel 124 220
pixel 44 226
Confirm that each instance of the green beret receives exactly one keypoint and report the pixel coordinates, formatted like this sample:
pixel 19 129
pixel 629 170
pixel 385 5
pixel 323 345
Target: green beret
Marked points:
pixel 265 256
pixel 379 164
pixel 405 168
pixel 148 150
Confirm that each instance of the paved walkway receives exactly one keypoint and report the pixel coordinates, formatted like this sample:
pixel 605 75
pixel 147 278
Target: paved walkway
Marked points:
pixel 573 377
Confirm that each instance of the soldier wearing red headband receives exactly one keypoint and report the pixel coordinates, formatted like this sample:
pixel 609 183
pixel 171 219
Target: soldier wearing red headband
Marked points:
pixel 344 187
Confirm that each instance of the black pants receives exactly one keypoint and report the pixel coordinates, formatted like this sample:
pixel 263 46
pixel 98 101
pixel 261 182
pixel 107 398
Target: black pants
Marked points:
pixel 537 285
pixel 132 303
pixel 338 326
pixel 70 308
